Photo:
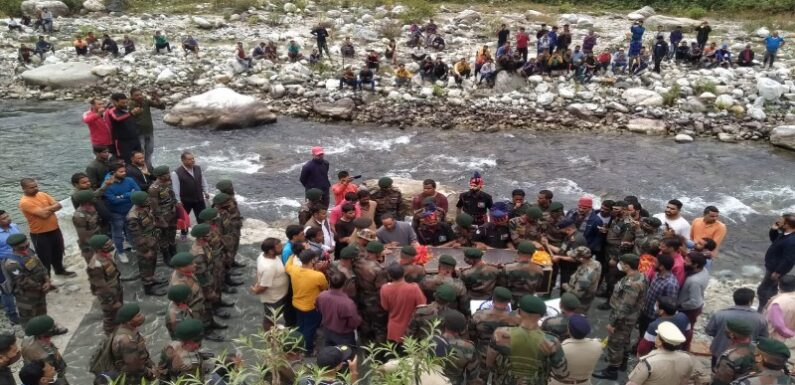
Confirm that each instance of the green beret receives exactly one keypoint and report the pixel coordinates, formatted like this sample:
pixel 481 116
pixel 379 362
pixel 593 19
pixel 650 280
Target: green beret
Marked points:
pixel 533 212
pixel 773 347
pixel 127 312
pixel 385 182
pixel 375 247
pixel 408 250
pixel 139 197
pixel 182 259
pixel 533 305
pixel 208 214
pixel 221 198
pixel 98 241
pixel 556 206
pixel 160 171
pixel 473 253
pixel 83 196
pixel 314 194
pixel 362 223
pixel 501 294
pixel 652 221
pixel 445 293
pixel 739 327
pixel 349 252
pixel 178 293
pixel 16 239
pixel 526 247
pixel 464 220
pixel 447 260
pixel 39 325
pixel 631 259
pixel 569 302
pixel 224 185
pixel 200 230
pixel 454 320
pixel 189 330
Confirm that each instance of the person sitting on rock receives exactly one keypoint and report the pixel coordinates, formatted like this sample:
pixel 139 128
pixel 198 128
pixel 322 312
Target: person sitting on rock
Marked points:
pixel 109 45
pixel 23 55
pixel 418 54
pixel 39 22
pixel 438 42
pixel 603 61
pixel 426 69
pixel 431 28
pixel 349 78
pixel 518 60
pixel 708 57
pixel 81 47
pixel 542 45
pixel 161 42
pixel 373 60
pixel 461 70
pixel 642 61
pixel 43 46
pixel 682 52
pixel 541 63
pixel 576 60
pixel 589 68
pixel 415 35
pixel 723 57
pixel 190 45
pixel 529 68
pixel 556 63
pixel 481 56
pixel 294 51
pixel 94 46
pixel 25 19
pixel 402 76
pixel 488 72
pixel 314 57
pixel 240 55
pixel 366 76
pixel 390 51
pixel 505 57
pixel 128 44
pixel 46 20
pixel 13 25
pixel 347 50
pixel 271 51
pixel 440 70
pixel 746 57
pixel 695 53
pixel 258 53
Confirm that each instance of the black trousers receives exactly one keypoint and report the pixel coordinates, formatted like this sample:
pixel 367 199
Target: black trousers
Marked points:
pixel 766 290
pixel 196 207
pixel 50 249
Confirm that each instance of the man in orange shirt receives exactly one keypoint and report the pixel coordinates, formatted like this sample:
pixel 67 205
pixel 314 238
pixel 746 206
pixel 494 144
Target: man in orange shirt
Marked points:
pixel 708 226
pixel 399 298
pixel 345 185
pixel 39 209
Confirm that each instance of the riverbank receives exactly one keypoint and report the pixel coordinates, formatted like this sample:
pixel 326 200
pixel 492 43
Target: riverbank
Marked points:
pixel 731 105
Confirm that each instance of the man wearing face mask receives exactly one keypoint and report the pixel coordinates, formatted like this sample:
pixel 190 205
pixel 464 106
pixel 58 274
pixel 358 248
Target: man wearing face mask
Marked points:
pixel 128 347
pixel 103 275
pixel 616 233
pixel 37 373
pixel 475 202
pixel 39 346
pixel 9 354
pixel 496 234
pixel 182 357
pixel 142 224
pixel 585 280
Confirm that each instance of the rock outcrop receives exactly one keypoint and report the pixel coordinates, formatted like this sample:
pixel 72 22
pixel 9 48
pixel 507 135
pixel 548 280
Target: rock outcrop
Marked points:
pixel 220 108
pixel 61 75
pixel 783 136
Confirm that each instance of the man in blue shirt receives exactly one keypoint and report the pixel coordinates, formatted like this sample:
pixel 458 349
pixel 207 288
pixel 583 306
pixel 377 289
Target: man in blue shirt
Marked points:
pixel 772 43
pixel 6 296
pixel 118 195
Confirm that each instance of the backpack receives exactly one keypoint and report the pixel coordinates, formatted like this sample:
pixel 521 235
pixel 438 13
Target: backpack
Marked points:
pixel 101 361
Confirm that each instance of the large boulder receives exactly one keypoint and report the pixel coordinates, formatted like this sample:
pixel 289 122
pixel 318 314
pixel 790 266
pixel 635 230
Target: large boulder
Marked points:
pixel 783 136
pixel 94 5
pixel 339 110
pixel 646 126
pixel 467 16
pixel 507 82
pixel 670 22
pixel 769 89
pixel 366 34
pixel 61 75
pixel 409 188
pixel 641 13
pixel 220 108
pixel 642 97
pixel 58 8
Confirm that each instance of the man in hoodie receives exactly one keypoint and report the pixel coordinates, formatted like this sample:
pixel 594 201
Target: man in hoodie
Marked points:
pixel 123 127
pixel 659 52
pixel 119 203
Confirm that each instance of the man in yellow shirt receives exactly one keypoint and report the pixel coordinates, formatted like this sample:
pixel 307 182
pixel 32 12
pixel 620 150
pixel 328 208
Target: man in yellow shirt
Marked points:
pixel 307 284
pixel 402 76
pixel 708 226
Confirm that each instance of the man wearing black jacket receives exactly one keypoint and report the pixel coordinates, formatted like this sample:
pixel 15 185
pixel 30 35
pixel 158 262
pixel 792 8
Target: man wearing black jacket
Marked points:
pixel 123 128
pixel 138 170
pixel 314 174
pixel 779 258
pixel 659 52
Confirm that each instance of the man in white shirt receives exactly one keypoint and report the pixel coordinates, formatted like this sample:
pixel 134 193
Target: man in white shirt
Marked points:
pixel 673 221
pixel 271 282
pixel 319 220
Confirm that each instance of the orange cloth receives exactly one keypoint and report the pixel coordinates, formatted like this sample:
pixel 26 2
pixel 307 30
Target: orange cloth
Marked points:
pixel 29 205
pixel 339 190
pixel 80 43
pixel 716 231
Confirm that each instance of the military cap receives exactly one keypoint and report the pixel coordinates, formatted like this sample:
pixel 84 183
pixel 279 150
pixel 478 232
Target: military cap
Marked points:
pixel 533 305
pixel 16 239
pixel 349 252
pixel 139 197
pixel 652 221
pixel 314 194
pixel 330 357
pixel 623 204
pixel 182 259
pixel 501 294
pixel 579 326
pixel 670 333
pixel 408 250
pixel 127 312
pixel 464 220
pixel 773 347
pixel 375 247
pixel 631 259
pixel 200 230
pixel 445 293
pixel 569 302
pixel 534 212
pixel 556 206
pixel 471 252
pixel 221 198
pixel 366 234
pixel 208 214
pixel 189 330
pixel 224 185
pixel 160 171
pixel 579 252
pixel 83 196
pixel 362 222
pixel 739 327
pixel 6 341
pixel 447 260
pixel 526 248
pixel 385 182
pixel 39 325
pixel 454 320
pixel 178 293
pixel 564 223
pixel 98 241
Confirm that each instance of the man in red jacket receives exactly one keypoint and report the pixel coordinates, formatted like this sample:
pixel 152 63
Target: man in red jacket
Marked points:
pixel 98 130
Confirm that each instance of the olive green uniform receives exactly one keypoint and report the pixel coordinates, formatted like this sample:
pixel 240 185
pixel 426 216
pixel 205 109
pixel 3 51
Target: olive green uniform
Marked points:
pixel 164 207
pixel 28 276
pixel 388 200
pixel 104 277
pixel 369 276
pixel 86 224
pixel 520 360
pixel 484 323
pixel 735 362
pixel 462 367
pixel 196 298
pixel 130 355
pixel 480 280
pixel 36 349
pixel 145 233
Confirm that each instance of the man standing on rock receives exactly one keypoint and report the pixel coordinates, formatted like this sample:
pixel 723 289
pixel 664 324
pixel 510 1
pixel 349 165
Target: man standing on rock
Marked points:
pixel 314 174
pixel 772 43
pixel 123 127
pixel 779 258
pixel 142 112
pixel 321 34
pixel 702 34
pixel 39 209
pixel 190 187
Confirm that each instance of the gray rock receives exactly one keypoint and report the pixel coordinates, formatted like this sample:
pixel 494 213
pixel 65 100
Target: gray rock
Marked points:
pixel 220 108
pixel 467 16
pixel 683 138
pixel 646 126
pixel 726 137
pixel 506 82
pixel 783 136
pixel 669 22
pixel 769 89
pixel 340 110
pixel 94 5
pixel 58 8
pixel 642 97
pixel 61 75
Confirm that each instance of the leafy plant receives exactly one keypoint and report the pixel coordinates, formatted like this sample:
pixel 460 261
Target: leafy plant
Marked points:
pixel 439 91
pixel 670 97
pixel 566 8
pixel 702 86
pixel 696 12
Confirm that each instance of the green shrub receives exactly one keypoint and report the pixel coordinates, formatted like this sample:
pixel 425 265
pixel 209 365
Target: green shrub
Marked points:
pixel 439 91
pixel 566 8
pixel 670 97
pixel 417 11
pixel 702 86
pixel 696 12
pixel 11 7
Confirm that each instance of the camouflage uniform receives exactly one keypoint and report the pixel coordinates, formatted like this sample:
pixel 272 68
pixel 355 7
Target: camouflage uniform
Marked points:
pixel 480 280
pixel 423 316
pixel 616 234
pixel 28 276
pixel 524 230
pixel 86 225
pixel 584 283
pixel 388 200
pixel 175 315
pixel 103 275
pixel 482 327
pixel 164 207
pixel 176 361
pixel 557 326
pixel 625 304
pixel 230 236
pixel 465 236
pixel 735 362
pixel 431 282
pixel 145 234
pixel 203 259
pixel 519 359
pixel 414 273
pixel 644 241
pixel 34 349
pixel 765 377
pixel 350 278
pixel 304 214
pixel 522 278
pixel 462 366
pixel 236 223
pixel 130 356
pixel 215 241
pixel 196 298
pixel 369 276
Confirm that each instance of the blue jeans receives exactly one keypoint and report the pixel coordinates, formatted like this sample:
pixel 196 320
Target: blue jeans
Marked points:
pixel 308 322
pixel 10 306
pixel 148 145
pixel 119 230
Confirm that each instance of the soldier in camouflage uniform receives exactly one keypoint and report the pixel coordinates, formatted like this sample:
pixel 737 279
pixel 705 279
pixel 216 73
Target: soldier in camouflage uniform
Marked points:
pixel 464 231
pixel 142 225
pixel 485 321
pixel 313 198
pixel 29 280
pixel 558 325
pixel 462 366
pixel 527 227
pixel 37 346
pixel 585 280
pixel 444 275
pixel 738 360
pixel 103 276
pixel 163 203
pixel 480 278
pixel 554 235
pixel 388 200
pixel 235 218
pixel 522 276
pixel 370 275
pixel 210 217
pixel 772 370
pixel 424 315
pixel 184 274
pixel 204 261
pixel 414 272
pixel 182 358
pixel 230 235
pixel 86 221
pixel 525 355
pixel 178 309
pixel 344 266
pixel 647 236
pixel 626 302
pixel 128 347
pixel 618 232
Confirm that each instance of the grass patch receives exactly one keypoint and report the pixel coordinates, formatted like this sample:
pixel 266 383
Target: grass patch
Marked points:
pixel 670 97
pixel 439 91
pixel 695 12
pixel 702 86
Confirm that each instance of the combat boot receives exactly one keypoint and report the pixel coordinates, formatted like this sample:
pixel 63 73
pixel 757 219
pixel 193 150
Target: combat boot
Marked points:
pixel 608 373
pixel 155 290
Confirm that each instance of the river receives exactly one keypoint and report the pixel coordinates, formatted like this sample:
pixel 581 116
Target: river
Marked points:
pixel 751 183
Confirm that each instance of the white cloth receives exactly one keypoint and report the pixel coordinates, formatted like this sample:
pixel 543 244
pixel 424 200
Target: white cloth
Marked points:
pixel 271 274
pixel 175 182
pixel 680 225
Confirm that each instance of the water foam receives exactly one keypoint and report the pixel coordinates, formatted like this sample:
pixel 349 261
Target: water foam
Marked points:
pixel 385 144
pixel 731 208
pixel 467 163
pixel 246 163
